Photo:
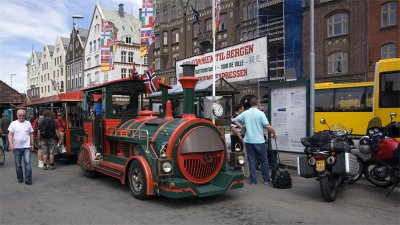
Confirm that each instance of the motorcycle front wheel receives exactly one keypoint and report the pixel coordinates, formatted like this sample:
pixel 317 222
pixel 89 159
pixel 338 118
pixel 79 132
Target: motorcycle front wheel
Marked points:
pixel 371 174
pixel 328 188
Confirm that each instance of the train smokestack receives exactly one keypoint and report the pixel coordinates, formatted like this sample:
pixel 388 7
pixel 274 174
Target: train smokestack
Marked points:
pixel 188 82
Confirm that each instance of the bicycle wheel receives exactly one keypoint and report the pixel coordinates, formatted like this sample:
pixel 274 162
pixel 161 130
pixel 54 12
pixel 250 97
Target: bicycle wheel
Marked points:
pixel 2 156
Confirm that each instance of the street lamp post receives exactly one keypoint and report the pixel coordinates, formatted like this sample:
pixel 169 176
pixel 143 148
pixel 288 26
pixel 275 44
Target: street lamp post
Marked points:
pixel 11 75
pixel 73 46
pixel 184 5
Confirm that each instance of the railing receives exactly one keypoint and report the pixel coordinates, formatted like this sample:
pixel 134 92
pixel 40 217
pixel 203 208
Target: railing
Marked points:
pixel 122 132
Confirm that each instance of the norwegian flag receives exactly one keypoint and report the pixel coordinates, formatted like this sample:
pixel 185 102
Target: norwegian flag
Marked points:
pixel 150 80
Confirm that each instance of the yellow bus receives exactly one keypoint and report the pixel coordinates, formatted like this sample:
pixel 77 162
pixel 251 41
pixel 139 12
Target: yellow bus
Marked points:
pixel 349 104
pixel 387 89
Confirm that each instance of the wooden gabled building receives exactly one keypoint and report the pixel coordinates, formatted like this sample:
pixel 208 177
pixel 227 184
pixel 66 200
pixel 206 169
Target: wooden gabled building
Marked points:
pixel 9 97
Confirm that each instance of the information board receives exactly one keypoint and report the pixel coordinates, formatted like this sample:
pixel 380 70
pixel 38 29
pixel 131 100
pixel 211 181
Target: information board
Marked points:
pixel 288 115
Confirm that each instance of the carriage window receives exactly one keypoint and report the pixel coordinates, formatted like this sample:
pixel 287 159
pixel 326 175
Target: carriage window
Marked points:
pixel 125 101
pixel 389 96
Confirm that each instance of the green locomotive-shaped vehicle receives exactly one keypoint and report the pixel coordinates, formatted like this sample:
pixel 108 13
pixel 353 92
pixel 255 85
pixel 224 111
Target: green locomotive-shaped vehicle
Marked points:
pixel 156 154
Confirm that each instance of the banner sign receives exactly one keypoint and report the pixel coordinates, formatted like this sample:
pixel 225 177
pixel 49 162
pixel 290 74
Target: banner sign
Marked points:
pixel 240 62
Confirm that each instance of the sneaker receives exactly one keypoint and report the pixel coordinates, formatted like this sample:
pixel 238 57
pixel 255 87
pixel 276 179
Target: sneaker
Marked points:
pixel 52 167
pixel 45 167
pixel 20 180
pixel 28 182
pixel 40 164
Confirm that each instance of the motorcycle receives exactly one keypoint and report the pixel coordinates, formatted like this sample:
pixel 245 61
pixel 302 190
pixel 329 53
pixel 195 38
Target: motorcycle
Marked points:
pixel 382 169
pixel 329 158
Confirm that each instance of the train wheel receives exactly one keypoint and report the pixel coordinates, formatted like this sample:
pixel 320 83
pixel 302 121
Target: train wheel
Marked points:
pixel 137 181
pixel 86 163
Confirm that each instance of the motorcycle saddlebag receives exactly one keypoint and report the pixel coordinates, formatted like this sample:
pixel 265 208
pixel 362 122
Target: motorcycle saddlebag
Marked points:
pixel 303 169
pixel 346 163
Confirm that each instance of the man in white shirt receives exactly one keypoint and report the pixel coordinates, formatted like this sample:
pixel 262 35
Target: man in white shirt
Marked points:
pixel 21 142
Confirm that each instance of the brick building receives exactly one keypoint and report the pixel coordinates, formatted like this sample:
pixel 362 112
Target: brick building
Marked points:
pixel 178 36
pixel 350 37
pixel 340 40
pixel 383 32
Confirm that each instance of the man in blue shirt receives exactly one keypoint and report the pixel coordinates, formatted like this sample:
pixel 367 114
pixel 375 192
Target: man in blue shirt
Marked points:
pixel 255 121
pixel 98 110
pixel 99 107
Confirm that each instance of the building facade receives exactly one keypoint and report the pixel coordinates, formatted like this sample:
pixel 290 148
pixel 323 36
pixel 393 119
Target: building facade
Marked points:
pixel 32 72
pixel 45 70
pixel 127 51
pixel 383 32
pixel 180 36
pixel 340 40
pixel 74 74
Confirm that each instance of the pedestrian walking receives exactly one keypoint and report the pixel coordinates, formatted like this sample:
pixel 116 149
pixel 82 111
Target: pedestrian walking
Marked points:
pixel 255 121
pixel 48 134
pixel 21 142
pixel 4 124
pixel 35 125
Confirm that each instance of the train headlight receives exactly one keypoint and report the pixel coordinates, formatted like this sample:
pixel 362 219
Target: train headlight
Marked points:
pixel 236 159
pixel 241 159
pixel 238 147
pixel 165 167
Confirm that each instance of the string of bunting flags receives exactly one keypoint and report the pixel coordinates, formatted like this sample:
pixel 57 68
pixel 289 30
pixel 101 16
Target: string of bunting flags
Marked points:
pixel 147 35
pixel 108 45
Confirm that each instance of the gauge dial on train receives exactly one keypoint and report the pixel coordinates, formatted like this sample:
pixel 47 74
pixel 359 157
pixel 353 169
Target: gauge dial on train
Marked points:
pixel 217 109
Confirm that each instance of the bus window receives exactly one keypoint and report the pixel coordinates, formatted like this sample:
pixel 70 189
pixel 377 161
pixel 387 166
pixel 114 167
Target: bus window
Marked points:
pixel 389 96
pixel 350 99
pixel 369 101
pixel 324 100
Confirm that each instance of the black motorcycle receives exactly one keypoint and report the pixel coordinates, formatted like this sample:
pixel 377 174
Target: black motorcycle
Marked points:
pixel 329 159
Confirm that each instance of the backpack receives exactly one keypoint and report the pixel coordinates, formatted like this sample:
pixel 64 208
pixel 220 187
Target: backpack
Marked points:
pixel 47 129
pixel 281 177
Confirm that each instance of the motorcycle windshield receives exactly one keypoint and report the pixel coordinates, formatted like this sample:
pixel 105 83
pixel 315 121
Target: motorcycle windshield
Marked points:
pixel 375 122
pixel 338 127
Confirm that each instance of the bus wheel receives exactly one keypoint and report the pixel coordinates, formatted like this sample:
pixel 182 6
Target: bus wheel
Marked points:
pixel 137 181
pixel 85 163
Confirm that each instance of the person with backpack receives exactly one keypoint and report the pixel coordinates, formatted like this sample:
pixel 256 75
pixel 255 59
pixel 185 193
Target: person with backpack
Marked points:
pixel 47 134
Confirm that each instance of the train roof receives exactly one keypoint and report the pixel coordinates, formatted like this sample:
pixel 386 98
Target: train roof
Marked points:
pixel 75 96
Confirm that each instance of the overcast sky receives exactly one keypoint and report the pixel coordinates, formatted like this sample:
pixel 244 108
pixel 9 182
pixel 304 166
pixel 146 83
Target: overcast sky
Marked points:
pixel 27 24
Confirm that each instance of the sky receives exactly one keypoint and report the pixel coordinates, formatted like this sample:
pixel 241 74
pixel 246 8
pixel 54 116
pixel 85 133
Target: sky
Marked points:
pixel 29 24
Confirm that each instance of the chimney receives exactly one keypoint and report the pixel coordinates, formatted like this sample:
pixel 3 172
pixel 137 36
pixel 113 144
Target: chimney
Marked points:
pixel 121 10
pixel 188 82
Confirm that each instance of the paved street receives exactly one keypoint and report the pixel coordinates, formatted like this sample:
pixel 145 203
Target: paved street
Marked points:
pixel 64 196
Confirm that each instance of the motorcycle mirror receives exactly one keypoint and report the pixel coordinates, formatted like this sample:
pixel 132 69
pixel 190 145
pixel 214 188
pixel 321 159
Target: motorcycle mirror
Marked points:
pixel 350 131
pixel 393 115
pixel 322 121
